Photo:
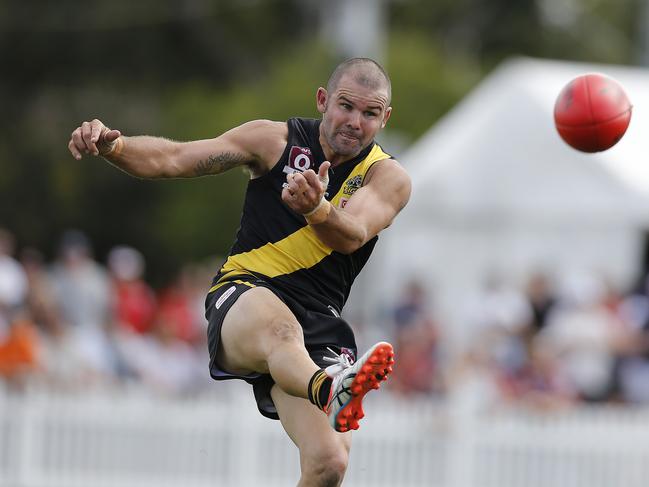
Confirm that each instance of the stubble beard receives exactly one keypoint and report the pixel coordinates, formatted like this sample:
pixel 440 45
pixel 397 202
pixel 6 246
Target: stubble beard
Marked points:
pixel 342 149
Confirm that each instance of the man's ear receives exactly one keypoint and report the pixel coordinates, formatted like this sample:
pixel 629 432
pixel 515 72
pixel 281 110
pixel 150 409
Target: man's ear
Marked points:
pixel 321 99
pixel 386 116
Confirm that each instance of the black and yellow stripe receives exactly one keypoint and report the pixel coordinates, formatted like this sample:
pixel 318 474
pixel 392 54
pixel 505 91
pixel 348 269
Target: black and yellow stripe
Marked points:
pixel 223 282
pixel 315 387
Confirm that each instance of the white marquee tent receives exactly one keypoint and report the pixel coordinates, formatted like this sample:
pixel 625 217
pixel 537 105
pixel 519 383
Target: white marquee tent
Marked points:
pixel 496 189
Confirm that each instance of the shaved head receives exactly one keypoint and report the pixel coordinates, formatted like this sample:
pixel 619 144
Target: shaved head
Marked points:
pixel 364 71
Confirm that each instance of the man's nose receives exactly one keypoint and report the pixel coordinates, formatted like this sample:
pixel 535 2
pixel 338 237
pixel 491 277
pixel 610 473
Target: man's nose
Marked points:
pixel 354 119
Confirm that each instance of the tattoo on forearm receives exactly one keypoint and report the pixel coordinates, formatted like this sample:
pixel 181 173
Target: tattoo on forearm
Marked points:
pixel 218 163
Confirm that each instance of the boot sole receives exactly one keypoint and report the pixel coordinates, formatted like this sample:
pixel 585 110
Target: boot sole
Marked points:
pixel 375 370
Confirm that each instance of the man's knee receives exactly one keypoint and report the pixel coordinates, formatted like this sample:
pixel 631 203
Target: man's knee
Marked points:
pixel 326 467
pixel 284 330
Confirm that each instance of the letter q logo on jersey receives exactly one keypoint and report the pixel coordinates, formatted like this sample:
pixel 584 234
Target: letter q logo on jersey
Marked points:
pixel 299 160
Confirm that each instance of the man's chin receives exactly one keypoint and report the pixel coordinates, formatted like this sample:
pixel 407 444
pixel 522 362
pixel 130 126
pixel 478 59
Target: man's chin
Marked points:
pixel 348 150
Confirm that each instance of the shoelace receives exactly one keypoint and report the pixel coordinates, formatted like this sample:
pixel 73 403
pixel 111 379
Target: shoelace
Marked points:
pixel 341 359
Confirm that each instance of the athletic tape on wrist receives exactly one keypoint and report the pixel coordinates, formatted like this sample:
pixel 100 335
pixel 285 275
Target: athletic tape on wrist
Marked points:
pixel 116 148
pixel 319 214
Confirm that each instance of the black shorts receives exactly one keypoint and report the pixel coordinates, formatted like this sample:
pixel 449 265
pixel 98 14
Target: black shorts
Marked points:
pixel 322 326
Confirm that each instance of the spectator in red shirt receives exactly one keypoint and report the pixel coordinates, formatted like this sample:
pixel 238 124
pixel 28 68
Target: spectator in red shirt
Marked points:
pixel 134 300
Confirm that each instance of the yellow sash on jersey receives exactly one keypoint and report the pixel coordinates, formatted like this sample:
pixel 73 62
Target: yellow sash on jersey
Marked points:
pixel 302 249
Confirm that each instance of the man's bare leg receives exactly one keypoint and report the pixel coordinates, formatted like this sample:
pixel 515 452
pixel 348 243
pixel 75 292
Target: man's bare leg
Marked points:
pixel 260 334
pixel 324 453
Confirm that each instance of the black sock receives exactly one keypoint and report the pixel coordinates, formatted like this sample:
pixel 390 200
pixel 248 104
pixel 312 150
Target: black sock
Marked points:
pixel 319 387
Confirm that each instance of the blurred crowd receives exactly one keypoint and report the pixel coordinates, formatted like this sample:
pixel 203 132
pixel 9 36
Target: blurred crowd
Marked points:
pixel 75 323
pixel 551 343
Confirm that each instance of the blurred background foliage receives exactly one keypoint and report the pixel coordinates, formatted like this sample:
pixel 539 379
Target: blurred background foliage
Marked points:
pixel 194 68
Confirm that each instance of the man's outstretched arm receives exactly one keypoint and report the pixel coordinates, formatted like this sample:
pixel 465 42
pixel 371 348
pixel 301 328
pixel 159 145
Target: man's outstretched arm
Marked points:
pixel 156 157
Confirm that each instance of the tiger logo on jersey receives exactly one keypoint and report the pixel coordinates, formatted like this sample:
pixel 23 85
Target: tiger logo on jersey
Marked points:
pixel 351 185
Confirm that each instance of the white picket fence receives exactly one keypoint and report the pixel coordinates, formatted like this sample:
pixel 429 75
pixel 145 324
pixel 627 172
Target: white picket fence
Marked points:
pixel 131 440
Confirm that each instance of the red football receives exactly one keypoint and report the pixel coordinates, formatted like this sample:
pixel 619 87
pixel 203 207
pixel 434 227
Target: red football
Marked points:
pixel 592 112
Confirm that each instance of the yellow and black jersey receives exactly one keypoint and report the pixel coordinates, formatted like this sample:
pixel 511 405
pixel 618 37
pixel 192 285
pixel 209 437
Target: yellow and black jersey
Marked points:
pixel 277 245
